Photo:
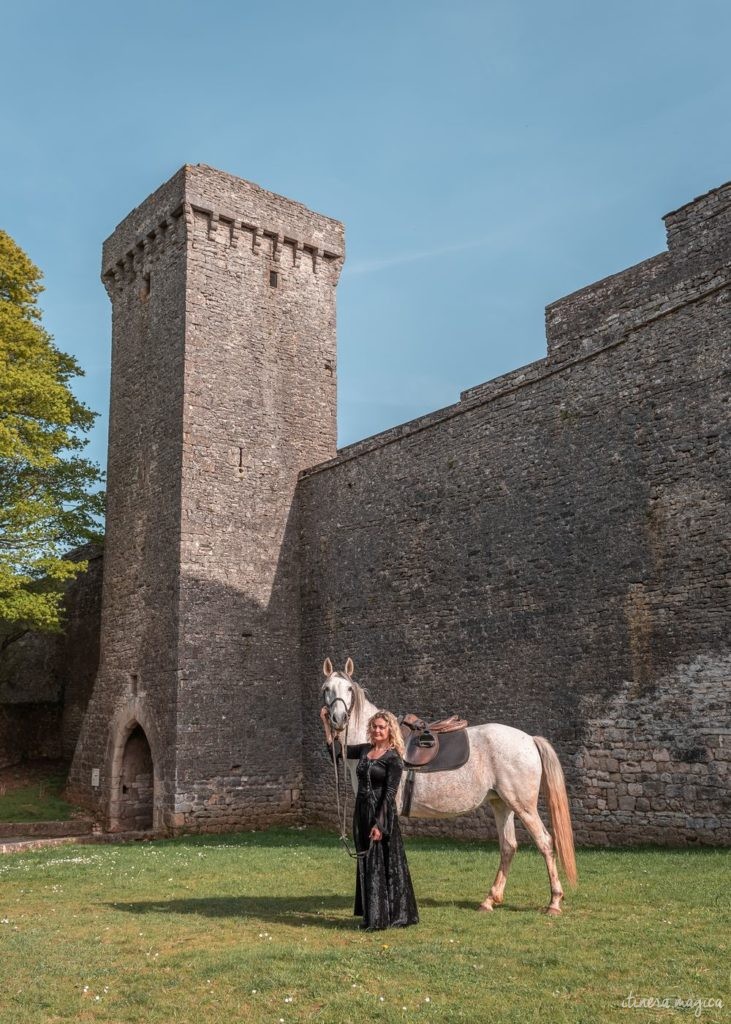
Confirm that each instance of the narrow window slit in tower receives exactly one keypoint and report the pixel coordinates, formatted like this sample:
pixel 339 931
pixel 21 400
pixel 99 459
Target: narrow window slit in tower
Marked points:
pixel 145 286
pixel 134 680
pixel 274 278
pixel 329 367
pixel 241 460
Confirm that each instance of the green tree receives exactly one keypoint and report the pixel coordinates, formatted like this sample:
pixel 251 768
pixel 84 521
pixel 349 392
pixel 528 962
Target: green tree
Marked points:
pixel 49 494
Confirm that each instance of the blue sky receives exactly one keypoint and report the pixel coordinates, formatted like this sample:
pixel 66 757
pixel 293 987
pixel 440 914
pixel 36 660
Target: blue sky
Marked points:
pixel 486 158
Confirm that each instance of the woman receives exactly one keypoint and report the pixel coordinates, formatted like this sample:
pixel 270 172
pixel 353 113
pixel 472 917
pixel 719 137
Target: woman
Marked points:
pixel 384 895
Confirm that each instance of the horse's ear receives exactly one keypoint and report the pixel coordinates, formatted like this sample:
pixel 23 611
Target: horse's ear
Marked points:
pixel 327 668
pixel 349 668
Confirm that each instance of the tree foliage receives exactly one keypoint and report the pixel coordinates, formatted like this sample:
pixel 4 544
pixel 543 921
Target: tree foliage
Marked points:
pixel 49 493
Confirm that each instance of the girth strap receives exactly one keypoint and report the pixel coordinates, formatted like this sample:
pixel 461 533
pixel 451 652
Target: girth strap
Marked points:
pixel 408 793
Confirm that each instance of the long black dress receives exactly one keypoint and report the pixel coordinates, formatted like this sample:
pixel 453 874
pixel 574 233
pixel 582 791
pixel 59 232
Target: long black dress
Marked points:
pixel 384 895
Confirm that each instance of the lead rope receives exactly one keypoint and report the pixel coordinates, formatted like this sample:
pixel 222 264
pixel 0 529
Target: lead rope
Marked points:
pixel 343 815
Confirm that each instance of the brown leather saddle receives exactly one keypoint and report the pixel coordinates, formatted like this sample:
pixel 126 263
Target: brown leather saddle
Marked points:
pixel 431 747
pixel 435 746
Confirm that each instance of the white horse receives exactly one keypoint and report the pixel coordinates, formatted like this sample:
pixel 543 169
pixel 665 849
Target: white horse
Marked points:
pixel 506 766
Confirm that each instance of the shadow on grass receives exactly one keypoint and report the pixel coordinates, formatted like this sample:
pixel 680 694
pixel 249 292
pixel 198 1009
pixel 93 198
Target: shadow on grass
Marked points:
pixel 314 910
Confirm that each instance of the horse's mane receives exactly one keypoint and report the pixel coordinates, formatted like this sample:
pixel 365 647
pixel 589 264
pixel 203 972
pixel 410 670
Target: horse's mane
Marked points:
pixel 360 695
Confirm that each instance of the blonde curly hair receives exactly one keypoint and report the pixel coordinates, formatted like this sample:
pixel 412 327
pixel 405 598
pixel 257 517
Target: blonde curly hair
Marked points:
pixel 395 739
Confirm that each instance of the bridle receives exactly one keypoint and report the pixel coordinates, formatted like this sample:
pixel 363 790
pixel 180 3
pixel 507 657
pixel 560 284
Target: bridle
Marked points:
pixel 340 700
pixel 342 811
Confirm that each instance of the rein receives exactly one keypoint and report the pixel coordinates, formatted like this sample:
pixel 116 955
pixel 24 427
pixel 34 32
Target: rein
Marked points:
pixel 342 811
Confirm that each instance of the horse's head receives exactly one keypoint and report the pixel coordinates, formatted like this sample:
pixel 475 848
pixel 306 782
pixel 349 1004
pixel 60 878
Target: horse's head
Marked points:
pixel 339 693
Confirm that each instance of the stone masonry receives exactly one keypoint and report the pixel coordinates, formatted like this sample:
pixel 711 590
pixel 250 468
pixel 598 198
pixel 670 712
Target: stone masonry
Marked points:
pixel 550 552
pixel 46 679
pixel 223 389
pixel 553 551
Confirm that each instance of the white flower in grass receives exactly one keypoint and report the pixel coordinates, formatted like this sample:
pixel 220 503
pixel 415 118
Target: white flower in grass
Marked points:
pixel 288 999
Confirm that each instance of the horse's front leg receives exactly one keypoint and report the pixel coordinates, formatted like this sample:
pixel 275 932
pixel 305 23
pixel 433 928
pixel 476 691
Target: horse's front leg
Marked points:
pixel 505 821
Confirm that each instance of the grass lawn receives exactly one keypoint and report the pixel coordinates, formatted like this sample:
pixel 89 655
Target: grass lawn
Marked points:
pixel 258 927
pixel 35 797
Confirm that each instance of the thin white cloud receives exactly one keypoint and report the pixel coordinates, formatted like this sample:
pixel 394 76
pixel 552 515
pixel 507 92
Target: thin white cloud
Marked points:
pixel 399 259
pixel 507 235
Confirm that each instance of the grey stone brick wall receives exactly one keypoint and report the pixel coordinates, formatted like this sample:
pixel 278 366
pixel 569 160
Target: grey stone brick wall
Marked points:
pixel 552 552
pixel 30 731
pixel 46 678
pixel 77 650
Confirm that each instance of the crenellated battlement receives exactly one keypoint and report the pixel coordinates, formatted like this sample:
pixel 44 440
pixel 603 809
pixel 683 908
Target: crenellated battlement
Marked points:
pixel 236 231
pixel 697 264
pixel 139 260
pixel 201 202
pixel 703 223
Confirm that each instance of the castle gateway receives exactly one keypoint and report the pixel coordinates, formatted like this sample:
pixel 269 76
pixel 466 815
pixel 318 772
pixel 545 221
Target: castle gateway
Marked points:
pixel 550 552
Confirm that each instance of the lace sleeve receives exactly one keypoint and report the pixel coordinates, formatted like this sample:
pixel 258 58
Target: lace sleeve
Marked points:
pixel 386 808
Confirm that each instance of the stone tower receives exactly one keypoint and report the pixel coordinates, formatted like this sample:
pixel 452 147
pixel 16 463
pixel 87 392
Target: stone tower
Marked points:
pixel 223 389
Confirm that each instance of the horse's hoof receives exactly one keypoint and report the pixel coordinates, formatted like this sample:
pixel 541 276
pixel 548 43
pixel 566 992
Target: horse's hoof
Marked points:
pixel 552 911
pixel 486 908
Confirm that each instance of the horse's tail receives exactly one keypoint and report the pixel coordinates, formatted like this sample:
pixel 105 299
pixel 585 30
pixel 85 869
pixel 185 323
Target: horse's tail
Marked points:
pixel 554 788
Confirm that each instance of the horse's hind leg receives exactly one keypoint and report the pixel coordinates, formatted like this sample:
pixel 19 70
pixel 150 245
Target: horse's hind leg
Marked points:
pixel 505 821
pixel 542 838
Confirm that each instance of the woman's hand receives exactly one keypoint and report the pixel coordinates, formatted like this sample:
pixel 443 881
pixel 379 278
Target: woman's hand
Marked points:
pixel 325 719
pixel 375 834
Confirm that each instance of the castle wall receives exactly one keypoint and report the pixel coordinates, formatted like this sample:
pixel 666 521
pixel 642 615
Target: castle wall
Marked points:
pixel 551 552
pixel 30 732
pixel 46 678
pixel 77 651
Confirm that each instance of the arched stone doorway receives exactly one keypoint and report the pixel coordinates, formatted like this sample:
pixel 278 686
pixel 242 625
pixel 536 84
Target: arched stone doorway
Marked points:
pixel 136 784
